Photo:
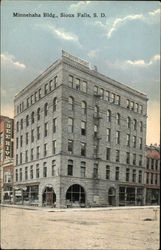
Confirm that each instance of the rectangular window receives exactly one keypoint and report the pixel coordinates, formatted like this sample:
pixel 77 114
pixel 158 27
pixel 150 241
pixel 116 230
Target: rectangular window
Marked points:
pixel 16 174
pixel 36 96
pixel 31 172
pixel 70 167
pixel 156 164
pixel 21 123
pixel 20 158
pixel 32 154
pixel 70 146
pixel 53 168
pixel 108 151
pixel 134 175
pixel 37 171
pixel 134 141
pixel 140 176
pixel 117 101
pixel 152 163
pixel 54 125
pixel 21 140
pixel 101 94
pixel 38 133
pixel 26 173
pixel 17 142
pixel 134 159
pixel 32 135
pixel 70 125
pixel 54 147
pixel 46 89
pixel 16 159
pixel 95 170
pixel 31 98
pixel 151 178
pixel 107 95
pixel 83 128
pixel 136 107
pixel 112 97
pixel 117 137
pixel 17 126
pixel 131 105
pixel 77 82
pixel 147 162
pixel 46 129
pixel 127 174
pixel 127 157
pixel 44 170
pixel 117 174
pixel 95 90
pixel 128 140
pixel 117 155
pixel 128 104
pixel 27 138
pixel 107 172
pixel 140 160
pixel 45 149
pixel 140 143
pixel 26 156
pixel 83 149
pixel 108 134
pixel 20 174
pixel 71 81
pixel 50 85
pixel 84 86
pixel 83 169
pixel 55 81
pixel 28 102
pixel 38 152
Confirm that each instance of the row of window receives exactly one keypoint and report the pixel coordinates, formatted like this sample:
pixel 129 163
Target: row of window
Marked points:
pixel 152 163
pixel 130 158
pixel 48 87
pixel 152 178
pixel 134 106
pixel 70 166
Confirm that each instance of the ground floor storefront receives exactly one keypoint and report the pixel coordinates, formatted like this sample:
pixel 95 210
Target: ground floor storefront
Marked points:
pixel 76 192
pixel 152 196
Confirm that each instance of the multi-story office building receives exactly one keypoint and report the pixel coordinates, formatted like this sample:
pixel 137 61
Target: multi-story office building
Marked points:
pixel 6 154
pixel 80 138
pixel 152 174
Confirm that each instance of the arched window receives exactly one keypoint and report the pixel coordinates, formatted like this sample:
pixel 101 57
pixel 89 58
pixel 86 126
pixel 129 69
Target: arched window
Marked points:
pixel 128 122
pixel 38 114
pixel 118 118
pixel 46 109
pixel 32 117
pixel 54 104
pixel 27 121
pixel 108 115
pixel 84 107
pixel 71 103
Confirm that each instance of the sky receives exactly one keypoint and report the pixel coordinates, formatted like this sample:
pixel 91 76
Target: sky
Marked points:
pixel 124 44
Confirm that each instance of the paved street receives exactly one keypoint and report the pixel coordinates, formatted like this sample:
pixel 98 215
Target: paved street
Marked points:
pixel 80 229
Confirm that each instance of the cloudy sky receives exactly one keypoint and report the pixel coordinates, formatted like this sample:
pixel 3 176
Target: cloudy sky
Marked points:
pixel 124 44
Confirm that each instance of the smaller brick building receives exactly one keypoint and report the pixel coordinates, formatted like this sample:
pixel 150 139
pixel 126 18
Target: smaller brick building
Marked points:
pixel 6 154
pixel 152 175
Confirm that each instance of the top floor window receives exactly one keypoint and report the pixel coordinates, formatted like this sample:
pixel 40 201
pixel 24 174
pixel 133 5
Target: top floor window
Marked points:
pixel 71 81
pixel 84 86
pixel 128 103
pixel 31 99
pixel 39 93
pixel 112 97
pixel 107 95
pixel 117 101
pixel 102 93
pixel 54 104
pixel 55 81
pixel 28 102
pixel 77 84
pixel 71 103
pixel 46 109
pixel 136 107
pixel 36 96
pixel 131 105
pixel 46 88
pixel 95 90
pixel 50 85
pixel 140 109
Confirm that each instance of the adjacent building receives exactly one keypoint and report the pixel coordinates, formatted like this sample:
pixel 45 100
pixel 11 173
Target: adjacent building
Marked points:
pixel 6 157
pixel 80 139
pixel 152 174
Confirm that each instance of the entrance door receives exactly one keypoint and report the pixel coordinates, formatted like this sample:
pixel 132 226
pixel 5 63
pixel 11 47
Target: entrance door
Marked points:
pixel 112 197
pixel 48 197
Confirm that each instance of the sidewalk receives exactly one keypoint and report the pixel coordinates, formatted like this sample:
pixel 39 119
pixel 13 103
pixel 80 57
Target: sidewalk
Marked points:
pixel 49 209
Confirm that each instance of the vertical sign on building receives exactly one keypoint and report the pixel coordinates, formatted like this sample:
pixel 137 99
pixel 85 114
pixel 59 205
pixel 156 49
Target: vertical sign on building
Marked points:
pixel 8 136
